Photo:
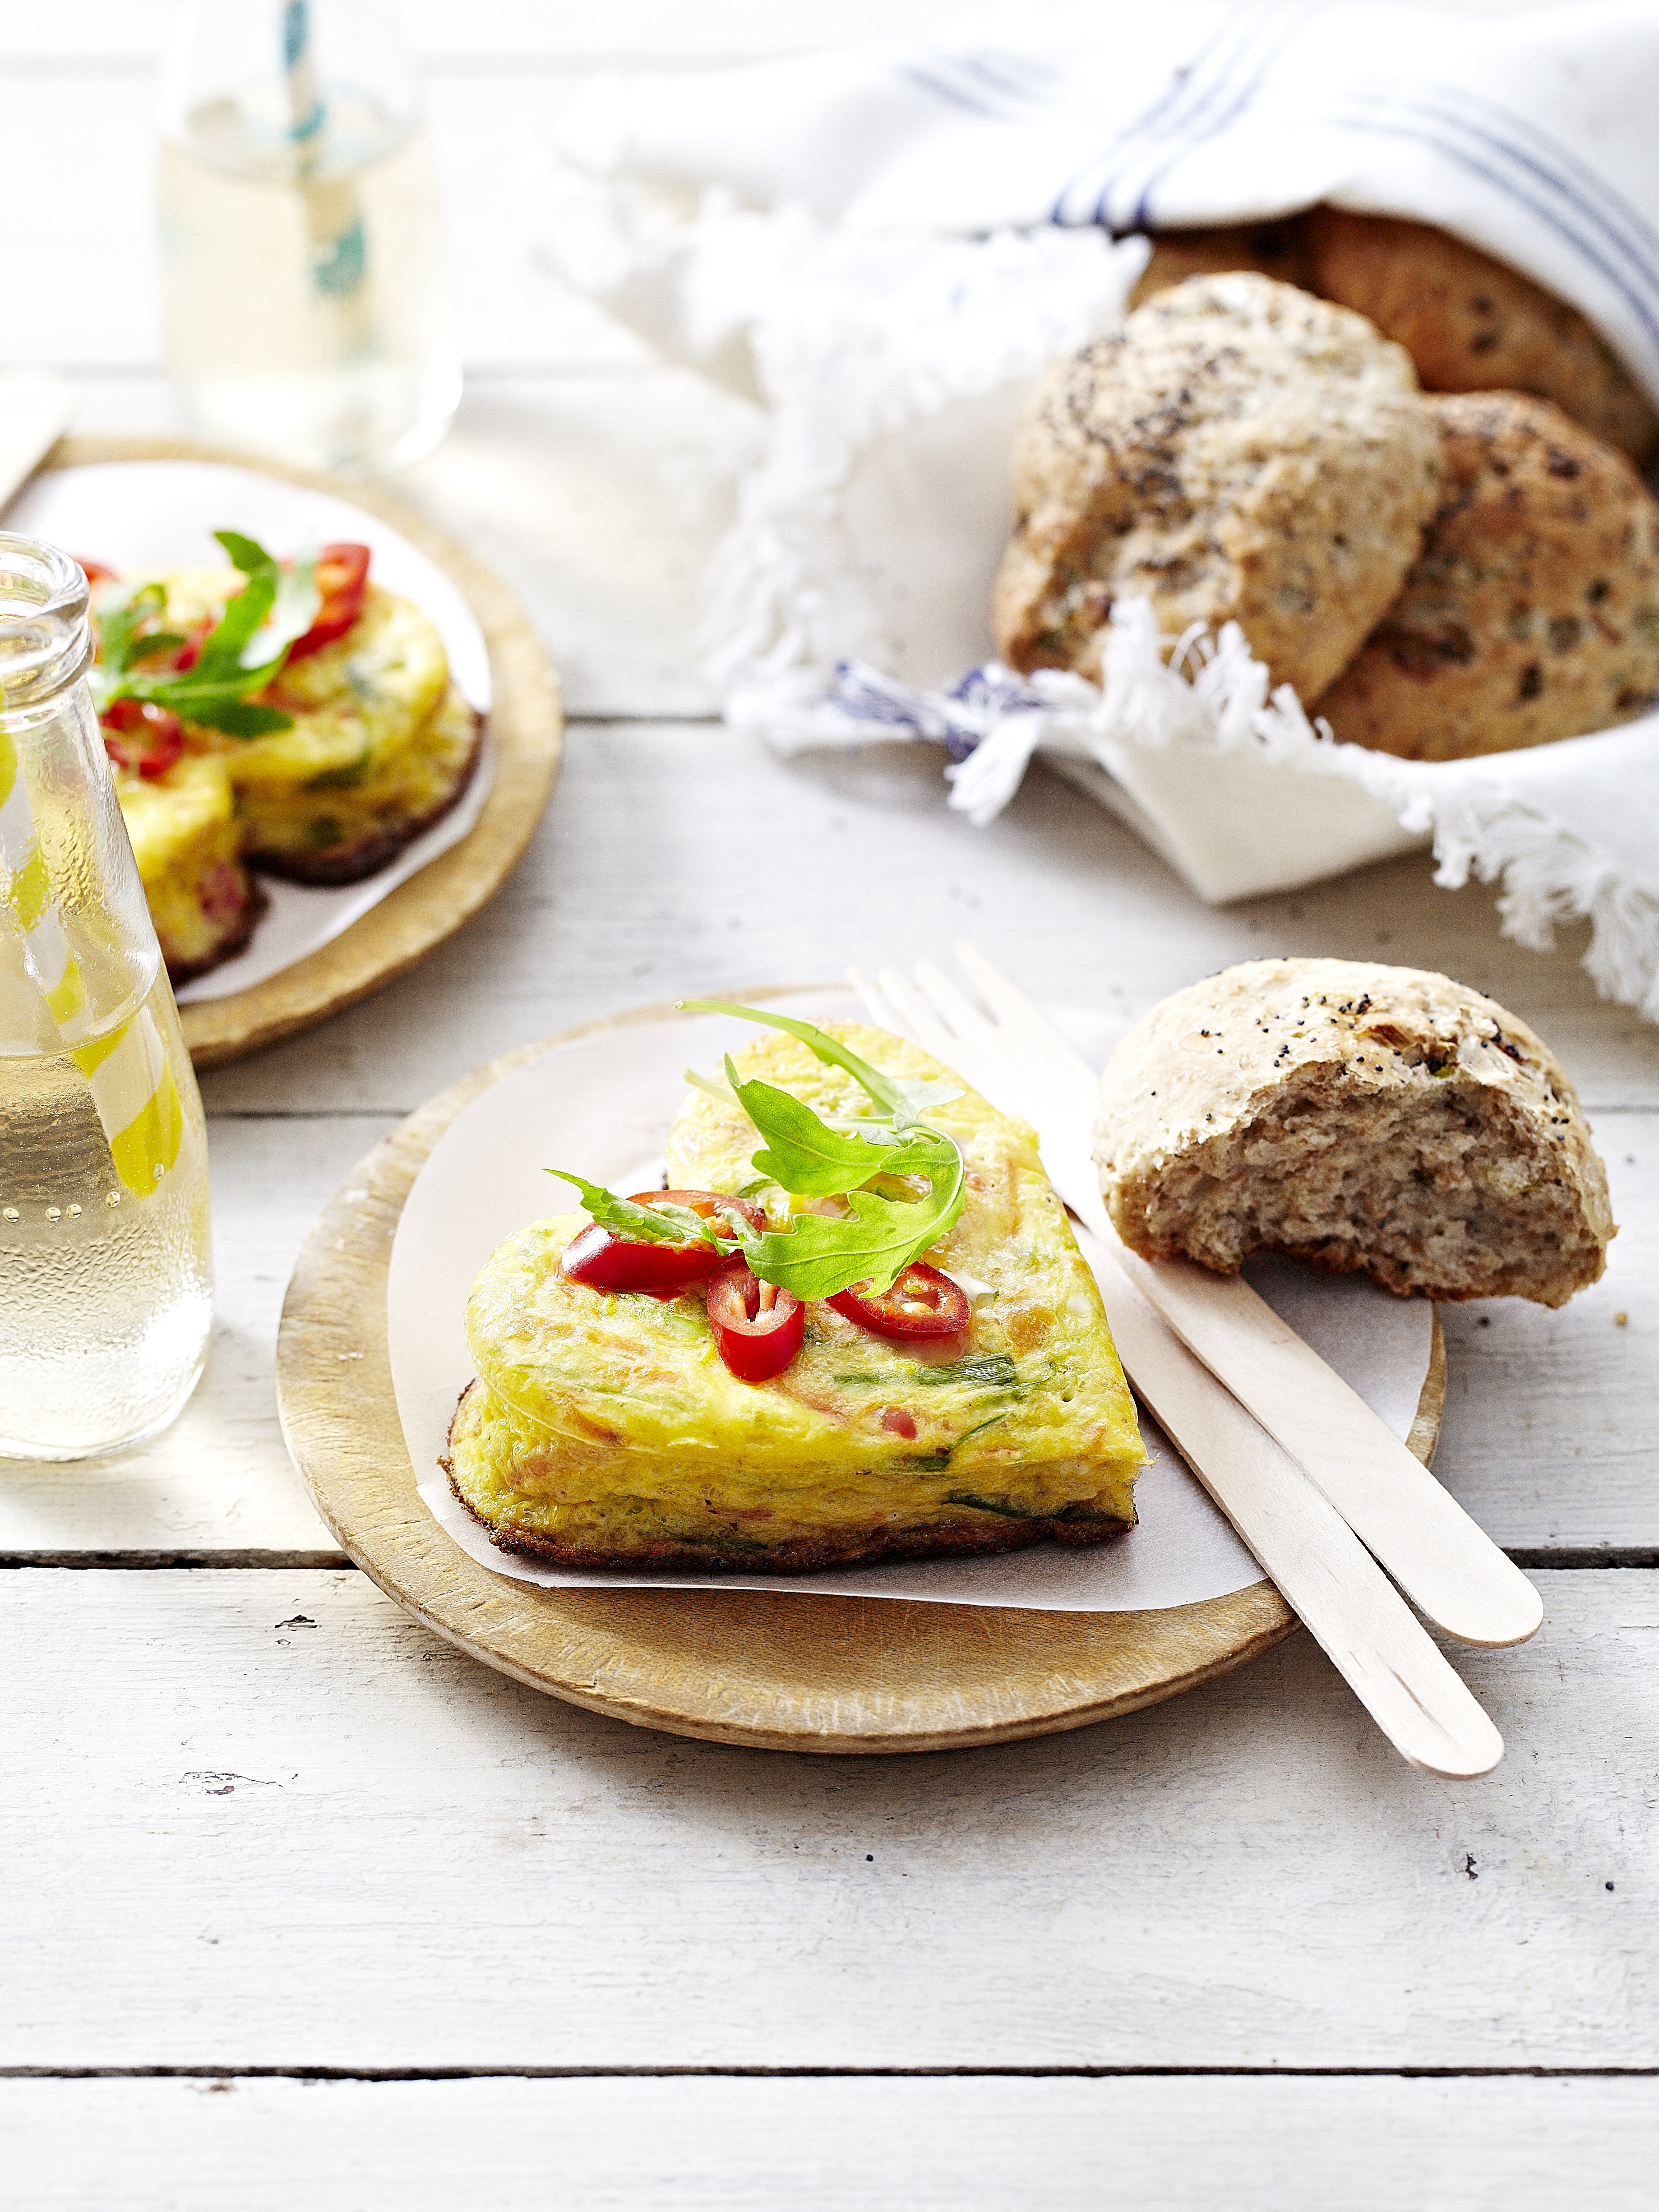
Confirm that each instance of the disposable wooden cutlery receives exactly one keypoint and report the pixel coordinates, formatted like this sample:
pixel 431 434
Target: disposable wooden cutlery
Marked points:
pixel 1302 1539
pixel 1346 1602
pixel 1441 1558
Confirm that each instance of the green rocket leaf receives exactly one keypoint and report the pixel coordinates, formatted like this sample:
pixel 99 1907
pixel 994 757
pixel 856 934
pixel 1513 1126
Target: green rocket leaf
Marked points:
pixel 879 1235
pixel 641 1225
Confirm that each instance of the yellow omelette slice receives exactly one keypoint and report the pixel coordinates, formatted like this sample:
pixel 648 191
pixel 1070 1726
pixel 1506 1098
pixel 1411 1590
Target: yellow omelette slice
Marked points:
pixel 606 1427
pixel 186 840
pixel 380 742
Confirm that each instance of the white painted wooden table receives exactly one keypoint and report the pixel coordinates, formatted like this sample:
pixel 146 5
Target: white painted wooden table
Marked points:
pixel 301 1905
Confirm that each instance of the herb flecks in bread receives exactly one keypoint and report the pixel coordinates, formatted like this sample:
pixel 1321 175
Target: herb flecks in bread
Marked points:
pixel 1472 324
pixel 1276 248
pixel 1532 612
pixel 1241 452
pixel 1368 1119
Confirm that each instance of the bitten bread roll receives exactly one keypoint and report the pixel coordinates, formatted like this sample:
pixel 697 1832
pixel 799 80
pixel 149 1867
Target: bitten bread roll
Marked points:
pixel 1373 1120
pixel 1473 325
pixel 1241 453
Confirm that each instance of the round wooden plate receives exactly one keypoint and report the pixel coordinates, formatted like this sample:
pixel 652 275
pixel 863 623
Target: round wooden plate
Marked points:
pixel 527 726
pixel 803 1673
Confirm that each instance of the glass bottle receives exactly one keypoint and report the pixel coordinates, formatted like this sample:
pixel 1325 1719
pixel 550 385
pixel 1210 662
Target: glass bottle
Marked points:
pixel 304 294
pixel 106 1273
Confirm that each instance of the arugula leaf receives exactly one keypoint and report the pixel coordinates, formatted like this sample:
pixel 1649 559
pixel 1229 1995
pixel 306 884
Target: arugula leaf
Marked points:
pixel 248 555
pixel 643 1225
pixel 297 598
pixel 878 1237
pixel 903 1101
pixel 119 616
pixel 222 653
pixel 243 652
pixel 152 642
pixel 707 1082
pixel 807 1157
pixel 871 1244
pixel 241 718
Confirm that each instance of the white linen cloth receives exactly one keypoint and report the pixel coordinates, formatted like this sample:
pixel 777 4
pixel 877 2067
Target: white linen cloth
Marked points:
pixel 884 247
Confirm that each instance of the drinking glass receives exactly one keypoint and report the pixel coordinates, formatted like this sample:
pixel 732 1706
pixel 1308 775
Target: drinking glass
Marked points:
pixel 305 303
pixel 106 1273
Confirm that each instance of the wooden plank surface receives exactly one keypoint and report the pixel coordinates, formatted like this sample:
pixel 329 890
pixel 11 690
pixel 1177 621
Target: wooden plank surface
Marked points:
pixel 1552 1432
pixel 291 1828
pixel 238 1840
pixel 856 857
pixel 719 2145
pixel 219 1480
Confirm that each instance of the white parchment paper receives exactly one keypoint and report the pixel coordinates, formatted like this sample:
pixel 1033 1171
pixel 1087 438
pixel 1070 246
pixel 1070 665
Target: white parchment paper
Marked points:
pixel 603 1103
pixel 138 515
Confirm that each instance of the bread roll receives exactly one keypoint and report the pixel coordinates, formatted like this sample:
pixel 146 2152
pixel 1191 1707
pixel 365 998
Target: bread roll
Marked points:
pixel 1532 612
pixel 1275 248
pixel 1383 1120
pixel 1472 324
pixel 1243 453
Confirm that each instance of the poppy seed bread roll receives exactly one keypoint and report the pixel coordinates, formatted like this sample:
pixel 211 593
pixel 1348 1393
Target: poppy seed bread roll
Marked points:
pixel 1532 612
pixel 1367 1119
pixel 1472 324
pixel 1241 451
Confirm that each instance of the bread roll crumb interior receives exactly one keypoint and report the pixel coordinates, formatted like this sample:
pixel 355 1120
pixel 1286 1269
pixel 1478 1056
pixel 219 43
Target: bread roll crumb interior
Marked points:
pixel 1387 1121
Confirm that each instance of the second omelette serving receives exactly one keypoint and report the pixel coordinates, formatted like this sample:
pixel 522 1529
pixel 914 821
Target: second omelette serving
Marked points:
pixel 290 719
pixel 939 1379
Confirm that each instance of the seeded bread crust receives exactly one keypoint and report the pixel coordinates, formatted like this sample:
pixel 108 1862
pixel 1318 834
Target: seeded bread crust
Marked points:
pixel 1473 325
pixel 1532 612
pixel 1381 1120
pixel 1277 249
pixel 1241 452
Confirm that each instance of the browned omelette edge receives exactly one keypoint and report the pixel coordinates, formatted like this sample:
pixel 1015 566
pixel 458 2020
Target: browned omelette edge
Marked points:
pixel 783 1673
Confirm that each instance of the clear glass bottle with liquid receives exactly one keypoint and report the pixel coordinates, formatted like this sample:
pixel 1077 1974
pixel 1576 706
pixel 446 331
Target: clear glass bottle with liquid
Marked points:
pixel 304 291
pixel 105 1270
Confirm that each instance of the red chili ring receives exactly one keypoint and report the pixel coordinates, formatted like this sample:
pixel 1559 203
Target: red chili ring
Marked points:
pixel 922 1302
pixel 603 1261
pixel 758 1325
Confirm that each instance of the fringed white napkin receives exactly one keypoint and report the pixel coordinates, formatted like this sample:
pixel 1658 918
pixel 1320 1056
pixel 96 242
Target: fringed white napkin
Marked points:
pixel 884 248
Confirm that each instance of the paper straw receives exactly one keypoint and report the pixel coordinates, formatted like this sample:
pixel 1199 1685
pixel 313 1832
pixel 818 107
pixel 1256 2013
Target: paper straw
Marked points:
pixel 126 1068
pixel 304 100
pixel 334 221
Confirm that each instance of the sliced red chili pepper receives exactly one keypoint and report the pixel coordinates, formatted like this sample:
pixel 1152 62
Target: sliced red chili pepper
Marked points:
pixel 139 735
pixel 608 1262
pixel 758 1325
pixel 190 651
pixel 922 1302
pixel 343 579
